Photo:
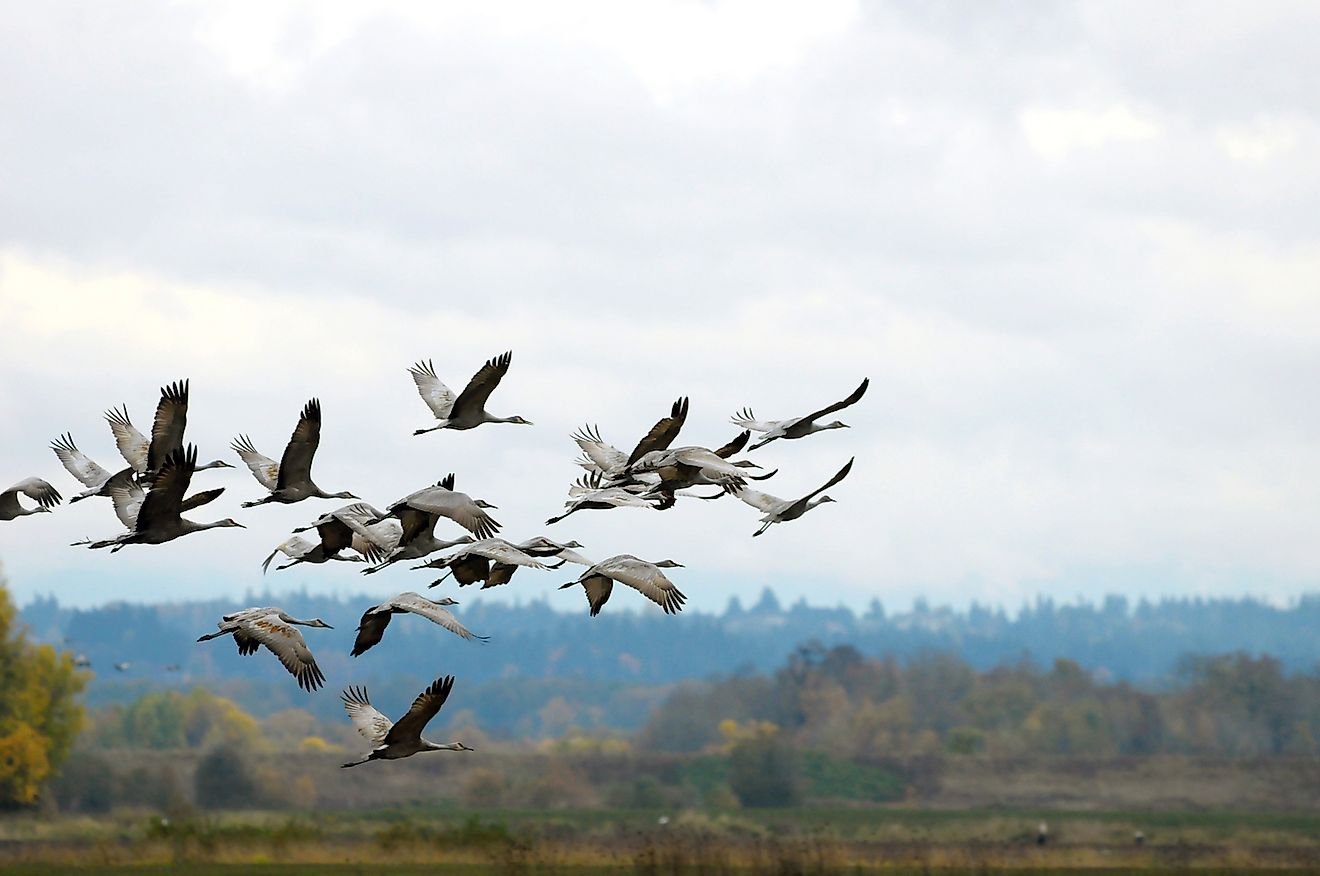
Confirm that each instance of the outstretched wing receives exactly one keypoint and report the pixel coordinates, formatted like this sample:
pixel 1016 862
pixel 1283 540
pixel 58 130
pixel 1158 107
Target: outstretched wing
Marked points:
pixel 747 420
pixel 296 463
pixel 168 427
pixel 735 445
pixel 34 488
pixel 840 405
pixel 373 726
pixel 840 475
pixel 458 507
pixel 437 614
pixel 165 501
pixel 424 708
pixel 371 629
pixel 763 502
pixel 78 463
pixel 263 468
pixel 501 551
pixel 598 588
pixel 438 397
pixel 482 384
pixel 286 643
pixel 603 456
pixel 663 433
pixel 132 444
pixel 647 579
pixel 127 497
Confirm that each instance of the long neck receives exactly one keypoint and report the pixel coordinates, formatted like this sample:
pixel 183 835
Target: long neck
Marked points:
pixel 447 746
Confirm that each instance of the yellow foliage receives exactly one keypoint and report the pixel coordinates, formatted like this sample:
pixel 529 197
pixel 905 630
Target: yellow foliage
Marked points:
pixel 23 764
pixel 752 730
pixel 318 745
pixel 40 714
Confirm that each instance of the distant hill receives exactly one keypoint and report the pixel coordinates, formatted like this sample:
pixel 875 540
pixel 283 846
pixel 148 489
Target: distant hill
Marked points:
pixel 620 663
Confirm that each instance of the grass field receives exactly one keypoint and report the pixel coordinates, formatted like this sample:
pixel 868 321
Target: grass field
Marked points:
pixel 790 841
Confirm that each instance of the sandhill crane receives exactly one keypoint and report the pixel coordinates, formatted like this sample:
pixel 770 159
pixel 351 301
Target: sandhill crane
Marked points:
pixel 798 427
pixel 123 667
pixel 683 467
pixel 419 513
pixel 127 497
pixel 472 562
pixel 82 661
pixel 589 492
pixel 644 577
pixel 377 618
pixel 167 428
pixel 92 476
pixel 778 510
pixel 468 409
pixel 343 528
pixel 157 520
pixel 300 550
pixel 273 627
pixel 404 739
pixel 542 547
pixel 46 497
pixel 611 462
pixel 289 480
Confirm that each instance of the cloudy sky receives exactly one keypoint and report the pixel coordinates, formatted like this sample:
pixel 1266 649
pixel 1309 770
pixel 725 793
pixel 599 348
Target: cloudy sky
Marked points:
pixel 1074 246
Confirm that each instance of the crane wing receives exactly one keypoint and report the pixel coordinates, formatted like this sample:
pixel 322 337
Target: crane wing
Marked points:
pixel 603 456
pixel 263 468
pixel 501 551
pixel 127 497
pixel 132 444
pixel 438 397
pixel 287 644
pixel 747 420
pixel 335 535
pixel 598 589
pixel 840 475
pixel 78 464
pixel 371 629
pixel 424 708
pixel 438 614
pixel 34 488
pixel 840 405
pixel 735 445
pixel 165 500
pixel 168 427
pixel 763 502
pixel 296 463
pixel 295 547
pixel 366 719
pixel 647 580
pixel 482 384
pixel 663 433
pixel 458 507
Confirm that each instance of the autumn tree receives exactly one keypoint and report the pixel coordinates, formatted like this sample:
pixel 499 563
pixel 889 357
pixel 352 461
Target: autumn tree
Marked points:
pixel 40 713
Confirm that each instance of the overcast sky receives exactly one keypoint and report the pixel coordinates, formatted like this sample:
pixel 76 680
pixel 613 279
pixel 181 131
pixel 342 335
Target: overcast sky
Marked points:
pixel 1074 246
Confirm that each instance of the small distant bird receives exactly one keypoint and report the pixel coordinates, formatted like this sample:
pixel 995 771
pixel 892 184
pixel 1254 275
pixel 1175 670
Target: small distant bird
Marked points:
pixel 46 497
pixel 289 480
pixel 171 420
pixel 644 577
pixel 82 661
pixel 123 667
pixel 778 510
pixel 468 409
pixel 375 619
pixel 273 627
pixel 404 739
pixel 173 667
pixel 157 519
pixel 797 427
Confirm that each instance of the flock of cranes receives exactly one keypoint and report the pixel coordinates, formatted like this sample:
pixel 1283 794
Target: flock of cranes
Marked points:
pixel 152 492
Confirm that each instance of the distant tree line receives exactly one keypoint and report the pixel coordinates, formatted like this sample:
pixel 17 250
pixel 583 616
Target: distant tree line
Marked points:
pixel 838 700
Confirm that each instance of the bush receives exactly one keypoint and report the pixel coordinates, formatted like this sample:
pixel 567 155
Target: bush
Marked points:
pixel 224 780
pixel 763 772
